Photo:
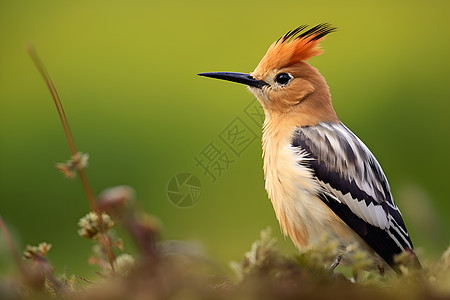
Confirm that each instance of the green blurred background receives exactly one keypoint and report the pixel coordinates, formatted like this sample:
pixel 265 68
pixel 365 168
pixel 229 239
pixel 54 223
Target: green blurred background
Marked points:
pixel 126 72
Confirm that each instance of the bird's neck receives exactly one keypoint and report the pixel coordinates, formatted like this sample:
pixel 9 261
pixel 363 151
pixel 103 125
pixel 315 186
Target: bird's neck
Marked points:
pixel 279 126
pixel 277 132
pixel 314 109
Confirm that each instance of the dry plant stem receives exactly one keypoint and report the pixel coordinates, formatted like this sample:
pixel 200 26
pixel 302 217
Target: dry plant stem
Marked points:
pixel 84 279
pixel 104 239
pixel 64 122
pixel 10 242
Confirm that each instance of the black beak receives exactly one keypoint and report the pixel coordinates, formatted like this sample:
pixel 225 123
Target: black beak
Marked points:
pixel 236 77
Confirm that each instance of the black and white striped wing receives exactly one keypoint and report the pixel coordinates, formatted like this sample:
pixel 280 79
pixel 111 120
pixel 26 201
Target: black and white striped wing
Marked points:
pixel 354 186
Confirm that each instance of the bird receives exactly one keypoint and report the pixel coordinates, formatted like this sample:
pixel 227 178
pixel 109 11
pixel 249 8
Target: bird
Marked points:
pixel 320 177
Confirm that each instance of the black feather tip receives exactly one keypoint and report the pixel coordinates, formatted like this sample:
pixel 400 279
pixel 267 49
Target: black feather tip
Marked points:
pixel 317 32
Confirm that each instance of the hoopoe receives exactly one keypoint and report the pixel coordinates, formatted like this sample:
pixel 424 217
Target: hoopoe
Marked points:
pixel 319 175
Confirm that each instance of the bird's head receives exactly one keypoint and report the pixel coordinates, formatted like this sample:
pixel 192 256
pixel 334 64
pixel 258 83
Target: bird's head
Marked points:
pixel 284 82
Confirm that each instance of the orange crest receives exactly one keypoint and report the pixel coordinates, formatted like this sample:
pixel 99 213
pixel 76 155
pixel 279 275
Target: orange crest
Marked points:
pixel 295 46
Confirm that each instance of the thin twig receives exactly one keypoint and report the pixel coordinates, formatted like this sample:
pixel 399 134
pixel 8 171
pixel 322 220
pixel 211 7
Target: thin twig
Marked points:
pixel 40 66
pixel 84 279
pixel 11 245
pixel 105 240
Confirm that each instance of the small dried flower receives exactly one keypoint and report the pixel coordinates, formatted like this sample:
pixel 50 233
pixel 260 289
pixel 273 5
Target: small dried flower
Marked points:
pixel 44 247
pixel 80 160
pixel 41 250
pixel 114 199
pixel 77 162
pixel 66 170
pixel 90 225
pixel 124 264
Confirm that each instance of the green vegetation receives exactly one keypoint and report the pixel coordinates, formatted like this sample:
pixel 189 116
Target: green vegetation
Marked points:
pixel 126 73
pixel 177 270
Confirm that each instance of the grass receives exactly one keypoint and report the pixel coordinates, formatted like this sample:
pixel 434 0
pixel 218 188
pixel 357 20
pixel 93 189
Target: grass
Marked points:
pixel 178 270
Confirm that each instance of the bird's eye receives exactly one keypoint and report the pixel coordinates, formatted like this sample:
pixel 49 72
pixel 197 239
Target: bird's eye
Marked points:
pixel 283 78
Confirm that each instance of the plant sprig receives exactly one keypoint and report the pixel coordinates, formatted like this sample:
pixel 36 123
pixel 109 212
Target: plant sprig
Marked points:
pixel 104 239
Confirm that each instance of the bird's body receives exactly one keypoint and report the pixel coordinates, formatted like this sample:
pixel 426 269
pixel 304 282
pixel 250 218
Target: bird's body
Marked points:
pixel 320 177
pixel 312 197
pixel 294 191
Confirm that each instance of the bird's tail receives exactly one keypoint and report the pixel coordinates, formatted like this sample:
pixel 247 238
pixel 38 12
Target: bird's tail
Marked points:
pixel 408 259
